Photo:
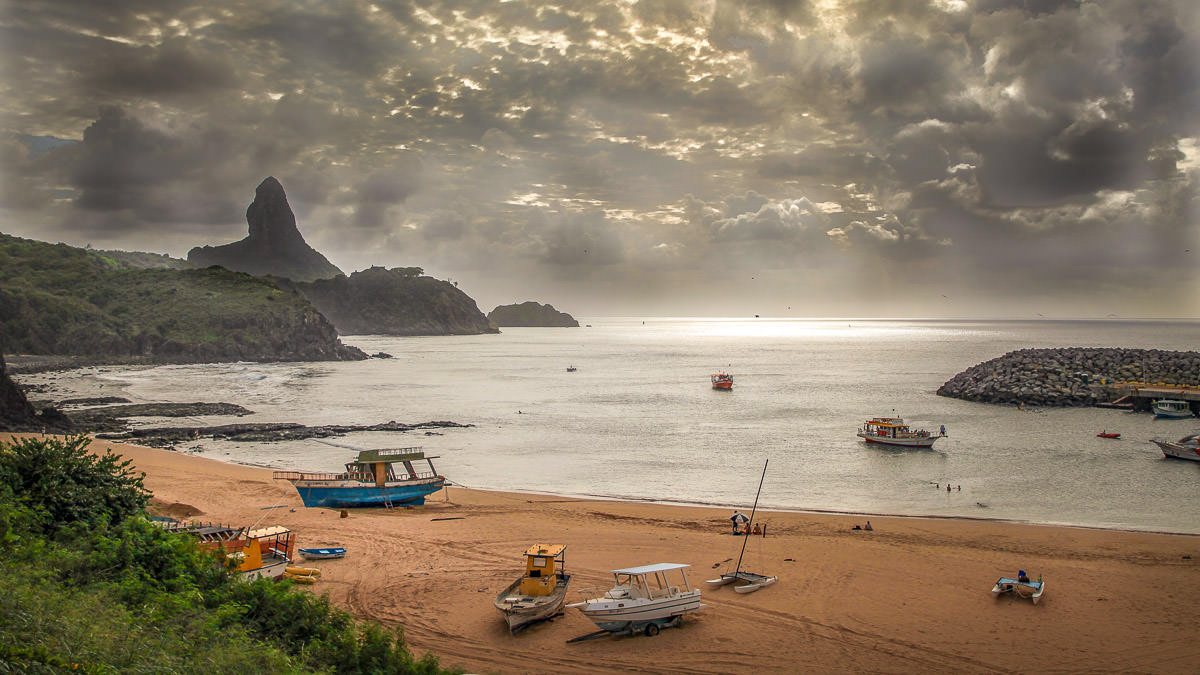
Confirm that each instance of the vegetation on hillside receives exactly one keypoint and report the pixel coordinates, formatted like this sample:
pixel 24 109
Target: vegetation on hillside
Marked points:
pixel 398 301
pixel 89 584
pixel 60 300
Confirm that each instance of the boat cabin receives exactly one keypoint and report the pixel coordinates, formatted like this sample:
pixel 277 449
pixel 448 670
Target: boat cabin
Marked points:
pixel 649 581
pixel 377 465
pixel 543 568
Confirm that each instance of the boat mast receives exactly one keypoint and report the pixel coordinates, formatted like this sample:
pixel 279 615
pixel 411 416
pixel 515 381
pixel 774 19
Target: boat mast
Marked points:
pixel 752 510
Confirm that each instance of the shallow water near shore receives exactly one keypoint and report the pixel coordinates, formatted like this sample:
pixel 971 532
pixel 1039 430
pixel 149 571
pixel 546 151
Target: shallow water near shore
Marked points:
pixel 639 420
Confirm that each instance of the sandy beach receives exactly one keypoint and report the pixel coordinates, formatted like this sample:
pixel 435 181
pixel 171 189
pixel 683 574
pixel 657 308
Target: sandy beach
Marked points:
pixel 910 596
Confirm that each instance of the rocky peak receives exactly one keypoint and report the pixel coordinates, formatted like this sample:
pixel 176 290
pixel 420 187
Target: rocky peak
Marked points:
pixel 272 223
pixel 274 245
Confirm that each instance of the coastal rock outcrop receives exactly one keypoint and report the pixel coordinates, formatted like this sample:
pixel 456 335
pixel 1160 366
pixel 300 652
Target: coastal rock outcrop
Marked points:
pixel 531 314
pixel 1071 376
pixel 16 412
pixel 65 301
pixel 399 301
pixel 274 245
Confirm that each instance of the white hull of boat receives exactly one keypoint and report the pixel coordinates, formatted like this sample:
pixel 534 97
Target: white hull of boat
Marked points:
pixel 754 586
pixel 752 581
pixel 1178 450
pixel 617 614
pixel 923 442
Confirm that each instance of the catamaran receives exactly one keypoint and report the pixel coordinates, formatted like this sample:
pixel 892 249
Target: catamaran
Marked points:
pixel 748 582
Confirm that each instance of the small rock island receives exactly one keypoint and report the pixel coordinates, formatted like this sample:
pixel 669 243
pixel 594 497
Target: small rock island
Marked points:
pixel 531 314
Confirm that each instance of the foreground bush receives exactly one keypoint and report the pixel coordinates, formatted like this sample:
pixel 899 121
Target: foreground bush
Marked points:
pixel 88 584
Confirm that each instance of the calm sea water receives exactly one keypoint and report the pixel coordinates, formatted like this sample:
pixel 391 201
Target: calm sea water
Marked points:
pixel 639 420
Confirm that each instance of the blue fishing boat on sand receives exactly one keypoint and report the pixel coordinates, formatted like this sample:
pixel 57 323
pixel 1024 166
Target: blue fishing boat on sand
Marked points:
pixel 386 477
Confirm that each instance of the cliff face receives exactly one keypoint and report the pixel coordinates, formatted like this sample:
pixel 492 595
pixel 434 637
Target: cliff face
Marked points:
pixel 399 301
pixel 274 245
pixel 16 414
pixel 531 314
pixel 60 300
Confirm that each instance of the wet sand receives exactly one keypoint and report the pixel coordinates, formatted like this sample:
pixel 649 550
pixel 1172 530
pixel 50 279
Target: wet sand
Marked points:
pixel 910 596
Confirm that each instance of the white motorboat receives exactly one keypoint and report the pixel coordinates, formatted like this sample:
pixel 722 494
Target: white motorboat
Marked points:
pixel 1171 408
pixel 893 431
pixel 643 595
pixel 1187 447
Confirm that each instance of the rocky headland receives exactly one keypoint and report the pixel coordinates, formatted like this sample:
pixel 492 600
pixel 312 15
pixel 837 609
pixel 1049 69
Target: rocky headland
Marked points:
pixel 398 301
pixel 274 245
pixel 1071 376
pixel 531 314
pixel 58 300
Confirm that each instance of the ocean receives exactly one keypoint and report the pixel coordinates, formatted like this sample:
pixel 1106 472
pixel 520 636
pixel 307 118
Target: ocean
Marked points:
pixel 639 420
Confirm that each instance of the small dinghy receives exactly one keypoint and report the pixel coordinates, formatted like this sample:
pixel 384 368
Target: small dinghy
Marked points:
pixel 1021 587
pixel 1108 434
pixel 323 553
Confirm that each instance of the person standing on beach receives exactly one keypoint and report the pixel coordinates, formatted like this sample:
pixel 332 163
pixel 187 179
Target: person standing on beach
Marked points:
pixel 738 518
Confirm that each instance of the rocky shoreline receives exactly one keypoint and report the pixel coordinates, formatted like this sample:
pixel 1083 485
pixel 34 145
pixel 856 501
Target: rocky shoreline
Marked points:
pixel 1071 376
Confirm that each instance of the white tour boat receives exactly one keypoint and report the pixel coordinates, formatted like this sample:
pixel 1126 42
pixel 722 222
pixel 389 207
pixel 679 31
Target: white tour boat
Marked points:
pixel 893 431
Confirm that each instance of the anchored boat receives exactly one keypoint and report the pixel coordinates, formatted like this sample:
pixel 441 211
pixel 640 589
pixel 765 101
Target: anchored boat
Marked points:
pixel 540 593
pixel 372 479
pixel 1171 408
pixel 1187 447
pixel 893 431
pixel 646 597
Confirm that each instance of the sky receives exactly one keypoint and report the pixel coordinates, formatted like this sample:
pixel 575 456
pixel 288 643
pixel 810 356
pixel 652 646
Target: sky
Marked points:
pixel 780 158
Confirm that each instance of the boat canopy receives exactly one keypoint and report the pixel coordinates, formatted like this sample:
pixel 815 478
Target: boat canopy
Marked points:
pixel 651 569
pixel 392 455
pixel 546 550
pixel 888 422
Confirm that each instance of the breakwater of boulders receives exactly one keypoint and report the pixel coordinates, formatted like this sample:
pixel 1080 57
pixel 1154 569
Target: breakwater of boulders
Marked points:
pixel 1071 376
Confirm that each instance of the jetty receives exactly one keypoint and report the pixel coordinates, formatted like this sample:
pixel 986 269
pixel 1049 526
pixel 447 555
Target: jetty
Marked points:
pixel 1139 397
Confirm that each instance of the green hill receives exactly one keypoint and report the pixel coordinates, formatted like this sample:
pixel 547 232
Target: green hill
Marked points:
pixel 399 301
pixel 60 300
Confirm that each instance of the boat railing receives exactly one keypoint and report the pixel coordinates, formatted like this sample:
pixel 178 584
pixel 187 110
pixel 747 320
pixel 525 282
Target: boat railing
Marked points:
pixel 365 477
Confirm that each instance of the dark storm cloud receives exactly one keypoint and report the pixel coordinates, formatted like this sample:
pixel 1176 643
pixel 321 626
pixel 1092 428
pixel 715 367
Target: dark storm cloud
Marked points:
pixel 817 144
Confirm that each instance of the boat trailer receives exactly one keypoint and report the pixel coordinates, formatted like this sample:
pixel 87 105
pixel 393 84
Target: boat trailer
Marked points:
pixel 648 628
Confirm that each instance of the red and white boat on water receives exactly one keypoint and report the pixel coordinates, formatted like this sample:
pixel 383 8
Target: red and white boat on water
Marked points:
pixel 893 431
pixel 722 381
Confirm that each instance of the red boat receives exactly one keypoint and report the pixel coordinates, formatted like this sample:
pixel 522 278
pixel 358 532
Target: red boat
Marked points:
pixel 1108 434
pixel 722 381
